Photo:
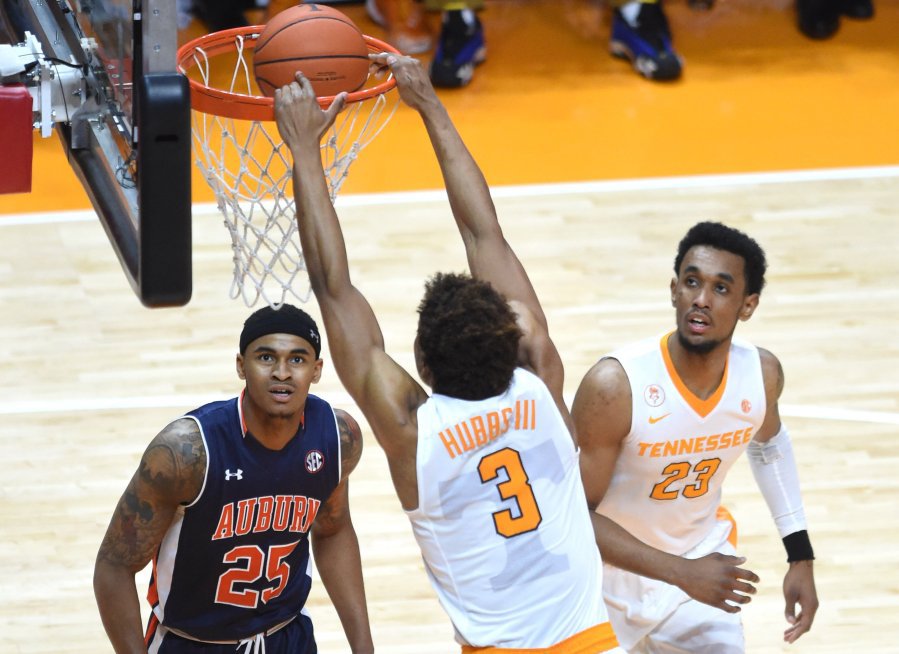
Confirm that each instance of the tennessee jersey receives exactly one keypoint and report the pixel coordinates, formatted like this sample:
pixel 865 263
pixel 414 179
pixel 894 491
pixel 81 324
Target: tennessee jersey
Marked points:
pixel 666 486
pixel 235 561
pixel 502 520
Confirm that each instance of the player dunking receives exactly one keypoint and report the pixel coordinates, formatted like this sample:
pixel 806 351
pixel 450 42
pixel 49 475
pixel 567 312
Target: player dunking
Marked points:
pixel 486 467
pixel 660 423
pixel 224 501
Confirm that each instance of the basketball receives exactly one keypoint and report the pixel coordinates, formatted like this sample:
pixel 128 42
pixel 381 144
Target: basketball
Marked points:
pixel 319 41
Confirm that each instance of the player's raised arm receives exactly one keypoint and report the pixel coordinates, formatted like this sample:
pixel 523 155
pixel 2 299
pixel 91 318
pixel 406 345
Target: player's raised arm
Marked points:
pixel 383 390
pixel 490 257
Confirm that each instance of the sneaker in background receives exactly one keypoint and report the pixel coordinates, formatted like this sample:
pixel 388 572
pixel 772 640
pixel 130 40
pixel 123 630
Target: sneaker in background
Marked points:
pixel 818 19
pixel 460 48
pixel 645 40
pixel 857 9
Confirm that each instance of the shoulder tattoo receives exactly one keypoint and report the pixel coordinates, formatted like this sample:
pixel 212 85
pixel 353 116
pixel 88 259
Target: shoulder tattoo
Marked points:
pixel 350 441
pixel 773 373
pixel 170 473
pixel 175 462
pixel 780 378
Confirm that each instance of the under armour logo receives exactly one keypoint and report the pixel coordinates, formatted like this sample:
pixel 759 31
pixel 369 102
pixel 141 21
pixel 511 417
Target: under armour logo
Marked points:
pixel 229 474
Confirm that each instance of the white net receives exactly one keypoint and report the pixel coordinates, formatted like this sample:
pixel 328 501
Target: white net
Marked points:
pixel 249 169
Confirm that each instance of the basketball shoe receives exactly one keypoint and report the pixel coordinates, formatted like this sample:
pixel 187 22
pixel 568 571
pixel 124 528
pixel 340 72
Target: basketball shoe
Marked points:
pixel 645 40
pixel 460 48
pixel 405 22
pixel 818 19
pixel 858 9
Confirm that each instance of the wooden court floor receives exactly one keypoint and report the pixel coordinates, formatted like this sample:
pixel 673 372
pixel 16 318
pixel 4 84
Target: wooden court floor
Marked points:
pixel 89 376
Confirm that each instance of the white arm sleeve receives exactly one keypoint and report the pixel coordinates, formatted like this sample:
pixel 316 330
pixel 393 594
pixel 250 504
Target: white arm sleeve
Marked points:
pixel 774 468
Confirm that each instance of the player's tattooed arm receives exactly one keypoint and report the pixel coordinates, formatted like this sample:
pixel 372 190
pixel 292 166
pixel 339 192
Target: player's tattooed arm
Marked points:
pixel 350 442
pixel 336 546
pixel 170 474
pixel 334 514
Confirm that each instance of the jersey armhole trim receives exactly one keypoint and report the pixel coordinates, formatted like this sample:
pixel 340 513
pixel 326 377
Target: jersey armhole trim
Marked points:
pixel 208 462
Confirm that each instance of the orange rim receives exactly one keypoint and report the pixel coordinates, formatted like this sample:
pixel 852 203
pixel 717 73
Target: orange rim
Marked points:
pixel 217 102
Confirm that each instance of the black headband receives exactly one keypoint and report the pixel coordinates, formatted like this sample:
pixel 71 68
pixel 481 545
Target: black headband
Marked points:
pixel 287 319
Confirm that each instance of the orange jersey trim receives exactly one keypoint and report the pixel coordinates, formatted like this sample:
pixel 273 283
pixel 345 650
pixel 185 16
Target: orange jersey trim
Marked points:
pixel 724 514
pixel 596 639
pixel 153 589
pixel 700 406
pixel 152 626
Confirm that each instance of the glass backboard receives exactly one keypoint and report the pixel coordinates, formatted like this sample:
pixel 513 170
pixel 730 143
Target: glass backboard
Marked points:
pixel 129 139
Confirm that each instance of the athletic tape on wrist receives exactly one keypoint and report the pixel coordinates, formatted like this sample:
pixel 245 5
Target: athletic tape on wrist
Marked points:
pixel 799 547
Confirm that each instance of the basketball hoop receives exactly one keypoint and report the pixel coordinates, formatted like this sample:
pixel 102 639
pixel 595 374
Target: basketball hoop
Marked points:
pixel 249 168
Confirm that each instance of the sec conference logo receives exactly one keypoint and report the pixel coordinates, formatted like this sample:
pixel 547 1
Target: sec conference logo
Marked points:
pixel 315 460
pixel 654 395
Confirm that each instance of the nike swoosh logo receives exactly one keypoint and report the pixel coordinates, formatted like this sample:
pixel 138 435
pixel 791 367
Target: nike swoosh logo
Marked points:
pixel 653 421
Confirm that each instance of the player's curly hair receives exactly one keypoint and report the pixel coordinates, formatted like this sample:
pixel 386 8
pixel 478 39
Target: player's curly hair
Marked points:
pixel 468 337
pixel 722 237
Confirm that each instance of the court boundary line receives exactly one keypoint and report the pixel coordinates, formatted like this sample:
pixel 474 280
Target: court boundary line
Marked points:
pixel 498 192
pixel 684 182
pixel 342 398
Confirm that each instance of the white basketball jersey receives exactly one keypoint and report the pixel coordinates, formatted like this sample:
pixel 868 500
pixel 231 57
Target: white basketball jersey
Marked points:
pixel 666 487
pixel 502 521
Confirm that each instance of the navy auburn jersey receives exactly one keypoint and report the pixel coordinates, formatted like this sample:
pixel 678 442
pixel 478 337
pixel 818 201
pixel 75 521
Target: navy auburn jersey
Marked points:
pixel 235 562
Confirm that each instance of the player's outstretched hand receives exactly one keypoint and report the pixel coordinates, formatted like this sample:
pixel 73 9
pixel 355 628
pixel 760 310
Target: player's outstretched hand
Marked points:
pixel 301 121
pixel 717 580
pixel 412 79
pixel 799 588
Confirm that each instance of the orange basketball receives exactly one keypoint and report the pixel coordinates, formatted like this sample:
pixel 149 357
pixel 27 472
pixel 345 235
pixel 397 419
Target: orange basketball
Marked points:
pixel 321 42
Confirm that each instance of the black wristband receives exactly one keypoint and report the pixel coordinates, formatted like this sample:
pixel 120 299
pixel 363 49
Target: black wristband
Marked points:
pixel 799 547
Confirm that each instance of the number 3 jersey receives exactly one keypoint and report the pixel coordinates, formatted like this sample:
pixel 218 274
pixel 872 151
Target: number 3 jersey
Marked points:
pixel 666 486
pixel 502 521
pixel 235 562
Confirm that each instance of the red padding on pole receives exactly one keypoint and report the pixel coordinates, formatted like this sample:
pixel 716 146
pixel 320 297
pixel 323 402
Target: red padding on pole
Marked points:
pixel 16 148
